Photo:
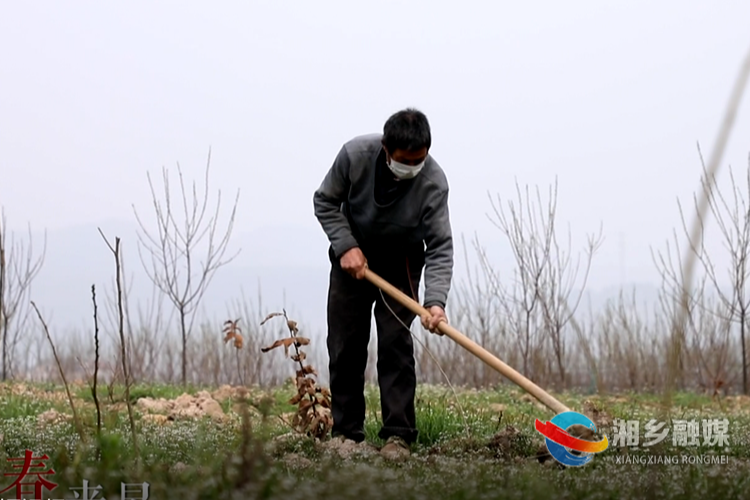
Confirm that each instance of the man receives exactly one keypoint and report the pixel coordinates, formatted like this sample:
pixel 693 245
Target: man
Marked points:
pixel 383 205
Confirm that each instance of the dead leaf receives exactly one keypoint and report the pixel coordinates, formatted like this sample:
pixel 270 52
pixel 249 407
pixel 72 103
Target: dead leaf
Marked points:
pixel 307 370
pixel 302 383
pixel 272 315
pixel 305 421
pixel 232 332
pixel 313 415
pixel 287 342
pixel 304 405
pixel 315 423
pixel 292 325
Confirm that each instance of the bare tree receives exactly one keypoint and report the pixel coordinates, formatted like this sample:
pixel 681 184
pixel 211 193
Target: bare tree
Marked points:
pixel 18 268
pixel 694 307
pixel 148 341
pixel 112 305
pixel 475 307
pixel 173 255
pixel 677 337
pixel 540 301
pixel 518 297
pixel 121 330
pixel 733 221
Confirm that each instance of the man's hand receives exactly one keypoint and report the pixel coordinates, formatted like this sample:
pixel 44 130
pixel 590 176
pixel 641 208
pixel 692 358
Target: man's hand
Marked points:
pixel 353 262
pixel 431 322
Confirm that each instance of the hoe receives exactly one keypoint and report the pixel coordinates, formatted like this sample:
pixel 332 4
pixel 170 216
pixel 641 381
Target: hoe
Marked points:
pixel 471 346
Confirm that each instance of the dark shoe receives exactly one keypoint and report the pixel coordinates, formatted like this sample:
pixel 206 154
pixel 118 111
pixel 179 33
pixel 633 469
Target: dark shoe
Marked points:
pixel 396 449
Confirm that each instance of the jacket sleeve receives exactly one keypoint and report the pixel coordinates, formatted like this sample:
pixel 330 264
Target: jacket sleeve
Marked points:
pixel 327 201
pixel 438 271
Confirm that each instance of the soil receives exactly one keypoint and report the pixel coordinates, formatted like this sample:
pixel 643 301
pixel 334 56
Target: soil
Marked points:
pixel 196 406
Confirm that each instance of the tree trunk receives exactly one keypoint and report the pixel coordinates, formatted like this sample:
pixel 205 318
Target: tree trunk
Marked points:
pixel 184 346
pixel 3 325
pixel 744 354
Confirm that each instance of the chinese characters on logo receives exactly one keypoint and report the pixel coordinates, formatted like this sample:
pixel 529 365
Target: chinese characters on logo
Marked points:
pixel 30 483
pixel 714 432
pixel 27 488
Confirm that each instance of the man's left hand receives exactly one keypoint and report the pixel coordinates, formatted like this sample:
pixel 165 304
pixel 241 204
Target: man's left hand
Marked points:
pixel 431 322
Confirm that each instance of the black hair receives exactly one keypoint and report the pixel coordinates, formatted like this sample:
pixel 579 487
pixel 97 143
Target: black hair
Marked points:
pixel 408 130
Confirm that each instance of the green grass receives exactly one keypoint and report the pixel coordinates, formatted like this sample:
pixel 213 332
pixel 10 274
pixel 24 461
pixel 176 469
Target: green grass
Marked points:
pixel 136 392
pixel 454 457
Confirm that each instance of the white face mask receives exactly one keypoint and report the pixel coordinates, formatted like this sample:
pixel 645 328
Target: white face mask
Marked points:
pixel 404 171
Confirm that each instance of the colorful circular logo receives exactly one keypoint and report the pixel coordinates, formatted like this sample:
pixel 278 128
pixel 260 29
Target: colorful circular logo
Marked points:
pixel 560 442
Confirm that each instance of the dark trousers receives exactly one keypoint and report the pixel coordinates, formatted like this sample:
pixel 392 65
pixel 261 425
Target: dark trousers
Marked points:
pixel 350 306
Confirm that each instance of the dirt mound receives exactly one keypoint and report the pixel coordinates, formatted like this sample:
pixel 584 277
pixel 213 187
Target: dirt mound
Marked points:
pixel 348 448
pixel 32 392
pixel 738 402
pixel 52 417
pixel 228 392
pixel 506 443
pixel 184 406
pixel 601 418
pixel 283 443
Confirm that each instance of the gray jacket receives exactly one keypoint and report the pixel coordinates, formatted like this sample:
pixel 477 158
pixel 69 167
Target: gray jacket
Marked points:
pixel 346 208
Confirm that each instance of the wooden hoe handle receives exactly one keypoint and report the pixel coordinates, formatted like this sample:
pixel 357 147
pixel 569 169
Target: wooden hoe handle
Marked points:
pixel 468 344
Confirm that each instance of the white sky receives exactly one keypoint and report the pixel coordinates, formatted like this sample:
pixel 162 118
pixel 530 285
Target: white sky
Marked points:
pixel 610 97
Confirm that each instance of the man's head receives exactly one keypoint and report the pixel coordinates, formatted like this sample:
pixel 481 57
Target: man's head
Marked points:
pixel 406 140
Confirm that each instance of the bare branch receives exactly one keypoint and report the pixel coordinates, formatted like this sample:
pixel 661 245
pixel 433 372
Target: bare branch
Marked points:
pixel 714 163
pixel 76 420
pixel 121 329
pixel 18 269
pixel 171 255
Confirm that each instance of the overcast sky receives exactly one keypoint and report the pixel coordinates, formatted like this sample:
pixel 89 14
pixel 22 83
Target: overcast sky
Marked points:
pixel 609 97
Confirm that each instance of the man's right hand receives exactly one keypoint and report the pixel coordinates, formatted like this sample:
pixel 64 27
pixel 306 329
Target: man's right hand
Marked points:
pixel 353 262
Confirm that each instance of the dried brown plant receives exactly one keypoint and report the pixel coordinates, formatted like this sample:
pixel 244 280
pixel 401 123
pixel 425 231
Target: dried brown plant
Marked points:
pixel 313 416
pixel 233 332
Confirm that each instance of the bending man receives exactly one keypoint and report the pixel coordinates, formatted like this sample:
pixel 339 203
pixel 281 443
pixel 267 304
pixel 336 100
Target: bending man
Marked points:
pixel 384 205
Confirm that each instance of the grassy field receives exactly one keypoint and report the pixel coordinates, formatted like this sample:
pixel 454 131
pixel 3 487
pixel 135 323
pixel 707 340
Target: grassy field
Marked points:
pixel 481 444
